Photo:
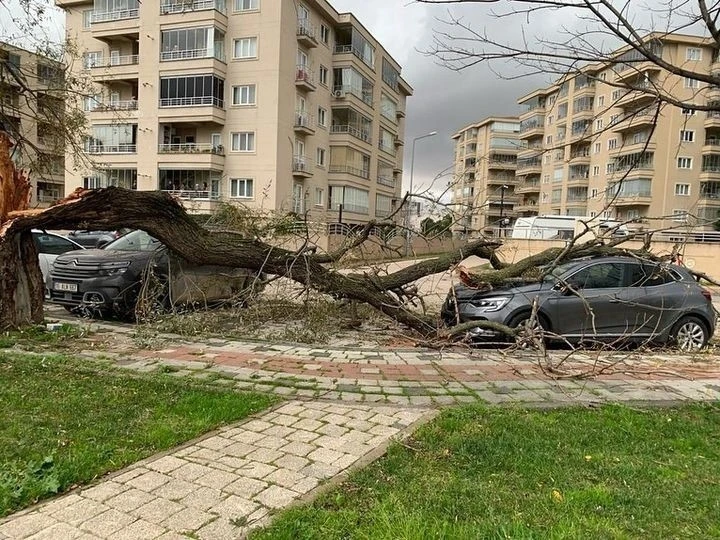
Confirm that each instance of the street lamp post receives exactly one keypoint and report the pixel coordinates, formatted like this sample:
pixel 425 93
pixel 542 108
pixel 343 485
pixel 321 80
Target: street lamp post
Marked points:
pixel 409 201
pixel 502 207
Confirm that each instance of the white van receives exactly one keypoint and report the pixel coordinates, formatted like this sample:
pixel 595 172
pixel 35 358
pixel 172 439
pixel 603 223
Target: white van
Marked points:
pixel 563 227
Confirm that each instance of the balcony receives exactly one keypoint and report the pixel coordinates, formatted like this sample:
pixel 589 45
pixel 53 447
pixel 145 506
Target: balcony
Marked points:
pixel 115 110
pixel 636 97
pixel 116 68
pixel 386 180
pixel 583 113
pixel 636 119
pixel 710 172
pixel 578 157
pixel 358 133
pixel 711 146
pixel 526 208
pixel 532 127
pixel 119 154
pixel 528 187
pixel 502 180
pixel 349 169
pixel 529 166
pixel 343 92
pixel 302 167
pixel 578 180
pixel 192 109
pixel 712 119
pixel 304 123
pixel 304 78
pixel 400 113
pixel 215 52
pixel 388 149
pixel 632 199
pixel 117 23
pixel 530 151
pixel 633 146
pixel 191 155
pixel 169 7
pixel 627 71
pixel 306 34
pixel 399 142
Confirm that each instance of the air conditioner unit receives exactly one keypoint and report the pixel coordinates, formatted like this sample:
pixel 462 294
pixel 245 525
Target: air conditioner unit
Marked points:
pixel 339 93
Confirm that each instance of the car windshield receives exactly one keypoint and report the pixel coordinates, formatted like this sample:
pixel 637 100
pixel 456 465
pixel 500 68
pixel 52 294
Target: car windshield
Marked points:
pixel 559 270
pixel 135 241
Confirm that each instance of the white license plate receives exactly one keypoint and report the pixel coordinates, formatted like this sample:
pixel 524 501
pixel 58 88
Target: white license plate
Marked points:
pixel 69 287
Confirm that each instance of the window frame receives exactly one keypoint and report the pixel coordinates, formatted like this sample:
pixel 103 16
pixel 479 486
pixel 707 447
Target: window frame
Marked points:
pixel 679 184
pixel 250 39
pixel 689 161
pixel 685 132
pixel 247 135
pixel 246 10
pixel 245 181
pixel 240 87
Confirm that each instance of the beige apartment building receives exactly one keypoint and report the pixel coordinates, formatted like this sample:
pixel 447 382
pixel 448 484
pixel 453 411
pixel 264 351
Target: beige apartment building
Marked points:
pixel 485 198
pixel 596 149
pixel 277 104
pixel 30 110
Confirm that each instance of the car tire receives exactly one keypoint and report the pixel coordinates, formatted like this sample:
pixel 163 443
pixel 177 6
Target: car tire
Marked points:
pixel 689 334
pixel 524 319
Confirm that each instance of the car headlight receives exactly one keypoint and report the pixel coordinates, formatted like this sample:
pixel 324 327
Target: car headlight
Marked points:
pixel 491 304
pixel 113 268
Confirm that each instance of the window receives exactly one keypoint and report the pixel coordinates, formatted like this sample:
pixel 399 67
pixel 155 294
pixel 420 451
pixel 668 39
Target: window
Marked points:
pixel 598 147
pixel 594 193
pixel 693 53
pixel 322 117
pixel 680 216
pixel 691 83
pixel 243 95
pixel 548 139
pixel 323 75
pixel 546 179
pixel 324 34
pixel 92 59
pixel 87 18
pixel 321 157
pixel 598 124
pixel 600 101
pixel 682 190
pixel 609 168
pixel 599 276
pixel 188 43
pixel 687 135
pixel 353 199
pixel 648 275
pixel 603 76
pixel 388 108
pixel 246 5
pixel 684 163
pixel 243 141
pixel 241 188
pixel 245 47
pixel 191 91
pixel 319 196
pixel 612 144
pixel 550 120
pixel 547 158
pixel 689 112
pixel 53 244
pixel 90 103
pixel 596 170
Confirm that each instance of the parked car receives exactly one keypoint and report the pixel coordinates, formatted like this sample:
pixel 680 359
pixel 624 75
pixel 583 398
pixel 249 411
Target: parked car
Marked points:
pixel 109 280
pixel 96 239
pixel 603 299
pixel 49 246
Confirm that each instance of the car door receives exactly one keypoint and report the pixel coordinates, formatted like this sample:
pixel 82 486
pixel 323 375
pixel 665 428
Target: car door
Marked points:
pixel 587 302
pixel 660 297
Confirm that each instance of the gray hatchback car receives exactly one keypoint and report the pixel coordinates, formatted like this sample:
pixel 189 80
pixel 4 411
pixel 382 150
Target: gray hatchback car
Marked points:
pixel 603 299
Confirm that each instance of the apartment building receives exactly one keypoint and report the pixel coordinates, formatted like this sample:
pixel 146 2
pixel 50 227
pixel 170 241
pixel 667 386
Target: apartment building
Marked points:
pixel 31 108
pixel 595 147
pixel 277 104
pixel 485 196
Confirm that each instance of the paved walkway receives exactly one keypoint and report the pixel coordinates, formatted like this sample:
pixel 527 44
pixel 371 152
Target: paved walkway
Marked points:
pixel 219 486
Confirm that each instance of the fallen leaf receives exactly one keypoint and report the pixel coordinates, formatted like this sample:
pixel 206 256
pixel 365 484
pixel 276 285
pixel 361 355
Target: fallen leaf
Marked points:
pixel 557 496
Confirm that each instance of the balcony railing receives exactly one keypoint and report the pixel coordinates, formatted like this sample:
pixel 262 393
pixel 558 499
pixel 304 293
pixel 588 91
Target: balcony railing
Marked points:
pixel 305 28
pixel 386 180
pixel 364 95
pixel 125 60
pixel 193 194
pixel 304 74
pixel 191 148
pixel 182 6
pixel 124 105
pixel 301 164
pixel 198 101
pixel 189 54
pixel 580 153
pixel 358 133
pixel 629 194
pixel 111 149
pixel 303 120
pixel 117 15
pixel 362 173
pixel 712 142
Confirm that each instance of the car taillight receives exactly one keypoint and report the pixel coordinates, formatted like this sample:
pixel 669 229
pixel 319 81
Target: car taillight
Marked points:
pixel 707 294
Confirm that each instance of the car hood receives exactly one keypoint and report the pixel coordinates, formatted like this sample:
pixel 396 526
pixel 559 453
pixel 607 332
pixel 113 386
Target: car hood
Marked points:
pixel 463 292
pixel 106 255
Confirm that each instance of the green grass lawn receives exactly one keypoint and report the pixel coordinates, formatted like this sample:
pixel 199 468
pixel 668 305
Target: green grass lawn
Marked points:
pixel 495 473
pixel 63 422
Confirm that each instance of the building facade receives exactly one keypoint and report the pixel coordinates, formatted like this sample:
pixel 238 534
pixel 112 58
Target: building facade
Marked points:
pixel 593 146
pixel 485 198
pixel 276 104
pixel 31 110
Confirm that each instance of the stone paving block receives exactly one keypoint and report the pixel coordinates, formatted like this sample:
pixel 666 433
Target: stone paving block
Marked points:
pixel 256 425
pixel 275 497
pixel 285 477
pixel 205 456
pixel 309 424
pixel 129 500
pixel 384 431
pixel 128 475
pixel 238 449
pixel 216 479
pixel 188 519
pixel 279 431
pixel 246 487
pixel 303 436
pixel 139 530
pixel 190 472
pixel 203 498
pixel 149 480
pixel 298 448
pixel 264 455
pixel 310 413
pixel 220 529
pixel 26 525
pixel 99 493
pixel 166 464
pixel 324 455
pixel 79 511
pixel 157 511
pixel 175 490
pixel 321 471
pixel 332 430
pixel 306 484
pixel 290 409
pixel 106 524
pixel 271 442
pixel 215 443
pixel 59 531
pixel 257 470
pixel 292 462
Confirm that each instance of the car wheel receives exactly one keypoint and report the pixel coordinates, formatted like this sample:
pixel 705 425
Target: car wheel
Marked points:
pixel 689 334
pixel 523 321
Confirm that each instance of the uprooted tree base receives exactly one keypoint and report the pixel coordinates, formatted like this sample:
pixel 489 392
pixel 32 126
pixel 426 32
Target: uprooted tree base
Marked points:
pixel 164 218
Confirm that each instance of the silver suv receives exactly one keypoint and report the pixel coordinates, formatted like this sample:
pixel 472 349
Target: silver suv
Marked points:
pixel 604 299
